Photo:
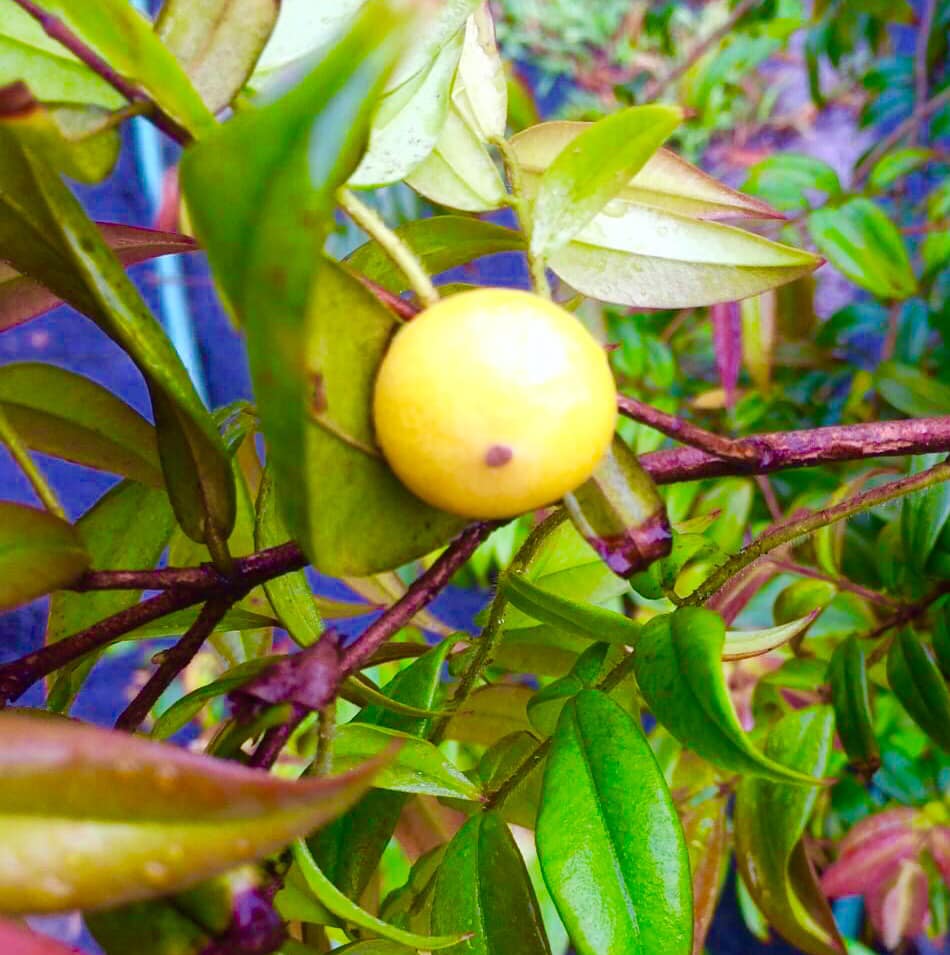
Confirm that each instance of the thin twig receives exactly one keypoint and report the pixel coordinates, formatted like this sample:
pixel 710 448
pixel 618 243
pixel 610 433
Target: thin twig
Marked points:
pixel 370 221
pixel 685 431
pixel 905 615
pixel 274 740
pixel 921 65
pixel 786 533
pixel 419 595
pixel 176 659
pixel 842 583
pixel 21 455
pixel 659 86
pixel 57 30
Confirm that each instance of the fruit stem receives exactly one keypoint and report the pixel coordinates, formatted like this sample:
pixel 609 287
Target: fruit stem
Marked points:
pixel 518 202
pixel 369 220
pixel 20 454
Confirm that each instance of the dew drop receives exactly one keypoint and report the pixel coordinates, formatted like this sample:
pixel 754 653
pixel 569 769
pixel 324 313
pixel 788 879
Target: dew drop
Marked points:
pixel 155 873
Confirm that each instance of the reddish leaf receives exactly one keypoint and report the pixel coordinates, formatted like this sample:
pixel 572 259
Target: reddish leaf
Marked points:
pixel 727 341
pixel 901 909
pixel 22 298
pixel 16 939
pixel 864 868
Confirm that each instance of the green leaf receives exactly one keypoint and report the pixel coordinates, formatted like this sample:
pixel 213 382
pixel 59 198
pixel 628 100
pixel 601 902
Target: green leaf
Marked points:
pixel 610 843
pixel 289 595
pixel 483 888
pixel 920 687
pixel 593 169
pixel 129 526
pixel 53 74
pixel 941 639
pixel 17 938
pixel 39 553
pixel 910 391
pixel 410 905
pixel 45 233
pixel 865 246
pixel 924 515
pixel 218 43
pixel 490 713
pixel 22 298
pixel 350 848
pixel 92 817
pixel 785 178
pixel 585 620
pixel 63 414
pixel 679 671
pixel 175 624
pixel 741 644
pixel 334 900
pixel 897 164
pixel 665 181
pixel 441 243
pixel 651 258
pixel 770 819
pixel 520 805
pixel 124 39
pixel 315 335
pixel 82 142
pixel 419 766
pixel 847 673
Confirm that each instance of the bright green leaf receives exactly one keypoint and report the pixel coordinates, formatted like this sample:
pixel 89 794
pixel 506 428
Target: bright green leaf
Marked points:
pixel 847 673
pixel 910 391
pixel 678 662
pixel 610 843
pixel 483 889
pixel 93 817
pixel 920 687
pixel 924 515
pixel 331 897
pixel 741 644
pixel 897 164
pixel 593 169
pixel 863 244
pixel 770 819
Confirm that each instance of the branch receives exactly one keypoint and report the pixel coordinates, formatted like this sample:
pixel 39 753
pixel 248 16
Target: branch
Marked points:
pixel 176 659
pixel 920 115
pixel 658 86
pixel 419 595
pixel 685 432
pixel 921 77
pixel 786 533
pixel 57 30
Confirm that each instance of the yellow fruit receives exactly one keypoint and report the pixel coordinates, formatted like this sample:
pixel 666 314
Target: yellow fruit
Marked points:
pixel 494 402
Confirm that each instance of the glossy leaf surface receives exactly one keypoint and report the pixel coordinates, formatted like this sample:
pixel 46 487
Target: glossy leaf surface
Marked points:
pixel 60 413
pixel 770 819
pixel 596 166
pixel 483 888
pixel 609 839
pixel 679 671
pixel 920 687
pixel 847 673
pixel 860 241
pixel 92 817
pixel 39 553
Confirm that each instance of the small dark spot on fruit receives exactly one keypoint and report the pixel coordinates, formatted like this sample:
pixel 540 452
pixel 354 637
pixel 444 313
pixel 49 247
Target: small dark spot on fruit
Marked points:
pixel 498 455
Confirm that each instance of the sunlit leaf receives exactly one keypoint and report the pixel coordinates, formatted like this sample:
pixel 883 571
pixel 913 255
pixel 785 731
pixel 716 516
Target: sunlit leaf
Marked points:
pixel 217 43
pixel 441 243
pixel 124 38
pixel 593 169
pixel 39 553
pixel 22 298
pixel 862 243
pixel 65 415
pixel 679 670
pixel 610 843
pixel 665 181
pixel 920 687
pixel 490 713
pixel 129 526
pixel 770 819
pixel 741 644
pixel 92 817
pixel 483 889
pixel 331 897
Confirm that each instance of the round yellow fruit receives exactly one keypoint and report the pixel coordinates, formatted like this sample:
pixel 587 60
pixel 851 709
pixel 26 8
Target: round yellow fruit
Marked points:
pixel 494 402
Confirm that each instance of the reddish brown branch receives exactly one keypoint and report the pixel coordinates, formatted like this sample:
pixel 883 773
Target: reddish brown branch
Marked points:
pixel 176 659
pixel 684 431
pixel 57 30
